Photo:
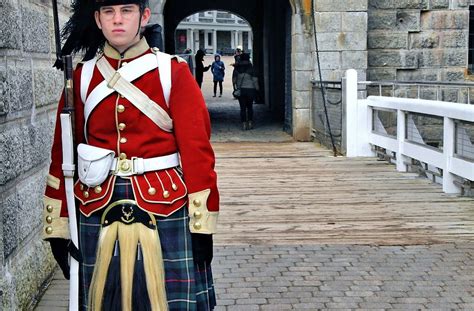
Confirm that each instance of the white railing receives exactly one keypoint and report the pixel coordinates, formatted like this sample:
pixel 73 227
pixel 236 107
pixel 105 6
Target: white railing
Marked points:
pixel 361 116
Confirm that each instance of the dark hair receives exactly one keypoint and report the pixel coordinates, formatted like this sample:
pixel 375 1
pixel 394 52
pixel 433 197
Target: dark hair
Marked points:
pixel 244 57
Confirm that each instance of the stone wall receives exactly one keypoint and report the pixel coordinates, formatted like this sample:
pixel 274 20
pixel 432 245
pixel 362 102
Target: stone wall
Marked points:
pixel 425 40
pixel 29 90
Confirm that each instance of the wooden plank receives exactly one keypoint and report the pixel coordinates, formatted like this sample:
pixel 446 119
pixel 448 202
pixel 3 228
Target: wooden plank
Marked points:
pixel 287 193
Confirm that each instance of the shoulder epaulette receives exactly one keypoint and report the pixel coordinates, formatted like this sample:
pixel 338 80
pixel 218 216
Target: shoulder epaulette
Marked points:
pixel 179 59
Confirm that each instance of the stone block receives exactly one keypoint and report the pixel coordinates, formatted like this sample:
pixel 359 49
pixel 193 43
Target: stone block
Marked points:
pixel 454 39
pixel 35 25
pixel 455 57
pixel 354 21
pixel 387 40
pixel 444 20
pixel 431 58
pixel 10 30
pixel 408 20
pixel 302 80
pixel 397 4
pixel 332 75
pixel 302 100
pixel 3 92
pixel 48 85
pixel 457 4
pixel 453 74
pixel 340 5
pixel 19 85
pixel 381 74
pixel 328 22
pixel 301 119
pixel 352 41
pixel 11 153
pixel 301 61
pixel 424 40
pixel 301 44
pixel 417 75
pixel 397 59
pixel 328 41
pixel 354 60
pixel 10 223
pixel 29 195
pixel 439 4
pixel 330 60
pixel 382 20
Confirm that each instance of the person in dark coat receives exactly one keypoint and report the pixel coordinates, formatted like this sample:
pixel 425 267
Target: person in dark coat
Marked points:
pixel 238 52
pixel 200 69
pixel 218 72
pixel 247 81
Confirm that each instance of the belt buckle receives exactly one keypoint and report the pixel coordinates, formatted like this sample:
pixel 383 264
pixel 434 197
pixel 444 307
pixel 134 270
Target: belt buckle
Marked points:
pixel 125 167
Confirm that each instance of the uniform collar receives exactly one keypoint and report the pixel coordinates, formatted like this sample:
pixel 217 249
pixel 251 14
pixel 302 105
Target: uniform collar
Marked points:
pixel 134 51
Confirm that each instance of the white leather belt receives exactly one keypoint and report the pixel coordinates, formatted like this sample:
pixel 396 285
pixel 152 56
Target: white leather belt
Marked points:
pixel 137 166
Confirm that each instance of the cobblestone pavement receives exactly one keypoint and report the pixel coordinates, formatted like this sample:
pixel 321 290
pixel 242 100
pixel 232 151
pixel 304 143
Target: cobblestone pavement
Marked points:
pixel 312 277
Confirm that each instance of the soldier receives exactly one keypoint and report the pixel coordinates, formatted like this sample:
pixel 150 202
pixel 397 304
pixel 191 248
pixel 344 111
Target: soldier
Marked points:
pixel 147 190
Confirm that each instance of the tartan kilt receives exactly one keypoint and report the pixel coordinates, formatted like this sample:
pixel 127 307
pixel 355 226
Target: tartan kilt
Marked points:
pixel 187 287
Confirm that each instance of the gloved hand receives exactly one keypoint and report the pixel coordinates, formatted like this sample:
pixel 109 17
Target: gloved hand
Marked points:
pixel 202 248
pixel 59 248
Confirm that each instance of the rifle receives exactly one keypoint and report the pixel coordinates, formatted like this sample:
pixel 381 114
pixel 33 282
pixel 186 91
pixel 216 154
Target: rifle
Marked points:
pixel 67 135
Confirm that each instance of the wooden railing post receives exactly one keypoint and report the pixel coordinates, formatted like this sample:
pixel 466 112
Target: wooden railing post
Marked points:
pixel 358 119
pixel 448 152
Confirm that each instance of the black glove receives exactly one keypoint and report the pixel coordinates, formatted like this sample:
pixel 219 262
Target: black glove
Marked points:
pixel 202 249
pixel 59 248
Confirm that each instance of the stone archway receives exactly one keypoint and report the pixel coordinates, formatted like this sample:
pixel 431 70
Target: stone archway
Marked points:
pixel 279 38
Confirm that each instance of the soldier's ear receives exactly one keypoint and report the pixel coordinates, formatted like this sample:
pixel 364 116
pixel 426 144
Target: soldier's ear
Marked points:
pixel 97 19
pixel 145 17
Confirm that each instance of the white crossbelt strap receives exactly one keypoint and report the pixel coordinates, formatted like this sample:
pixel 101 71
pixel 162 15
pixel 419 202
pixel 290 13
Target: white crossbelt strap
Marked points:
pixel 132 71
pixel 135 95
pixel 86 77
pixel 137 166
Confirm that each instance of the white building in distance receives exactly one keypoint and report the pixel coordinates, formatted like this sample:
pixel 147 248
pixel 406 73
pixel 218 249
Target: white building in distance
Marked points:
pixel 215 32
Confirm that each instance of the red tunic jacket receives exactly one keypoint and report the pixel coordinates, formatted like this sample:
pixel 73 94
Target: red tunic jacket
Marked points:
pixel 116 124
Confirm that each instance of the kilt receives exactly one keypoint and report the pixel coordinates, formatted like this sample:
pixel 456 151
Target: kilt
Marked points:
pixel 187 287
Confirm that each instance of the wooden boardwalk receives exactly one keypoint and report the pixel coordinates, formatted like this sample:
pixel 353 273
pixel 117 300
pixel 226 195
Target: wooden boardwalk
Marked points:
pixel 297 193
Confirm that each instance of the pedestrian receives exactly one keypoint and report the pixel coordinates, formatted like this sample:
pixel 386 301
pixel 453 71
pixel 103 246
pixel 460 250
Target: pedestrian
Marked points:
pixel 218 72
pixel 200 69
pixel 235 64
pixel 147 193
pixel 247 82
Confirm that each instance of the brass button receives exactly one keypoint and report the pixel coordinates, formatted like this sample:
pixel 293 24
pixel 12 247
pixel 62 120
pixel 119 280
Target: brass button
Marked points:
pixel 197 215
pixel 49 219
pixel 86 194
pixel 174 187
pixel 120 108
pixel 197 202
pixel 123 140
pixel 49 208
pixel 124 64
pixel 166 194
pixel 106 222
pixel 81 187
pixel 121 126
pixel 151 191
pixel 123 156
pixel 98 189
pixel 155 49
pixel 48 230
pixel 197 226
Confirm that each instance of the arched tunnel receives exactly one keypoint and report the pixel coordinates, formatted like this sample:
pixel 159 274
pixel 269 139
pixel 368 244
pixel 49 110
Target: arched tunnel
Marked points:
pixel 270 21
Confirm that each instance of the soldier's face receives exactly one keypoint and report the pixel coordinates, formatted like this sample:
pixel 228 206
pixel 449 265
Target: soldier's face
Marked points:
pixel 120 24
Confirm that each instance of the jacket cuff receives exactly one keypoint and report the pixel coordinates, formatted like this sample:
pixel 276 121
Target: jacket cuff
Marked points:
pixel 200 219
pixel 54 226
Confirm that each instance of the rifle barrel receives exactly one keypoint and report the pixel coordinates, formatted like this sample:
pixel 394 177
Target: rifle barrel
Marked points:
pixel 56 30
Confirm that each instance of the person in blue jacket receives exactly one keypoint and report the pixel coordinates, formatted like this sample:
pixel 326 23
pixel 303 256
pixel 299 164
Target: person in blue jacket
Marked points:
pixel 218 71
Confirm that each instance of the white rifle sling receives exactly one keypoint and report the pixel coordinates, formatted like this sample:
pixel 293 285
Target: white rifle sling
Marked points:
pixel 68 170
